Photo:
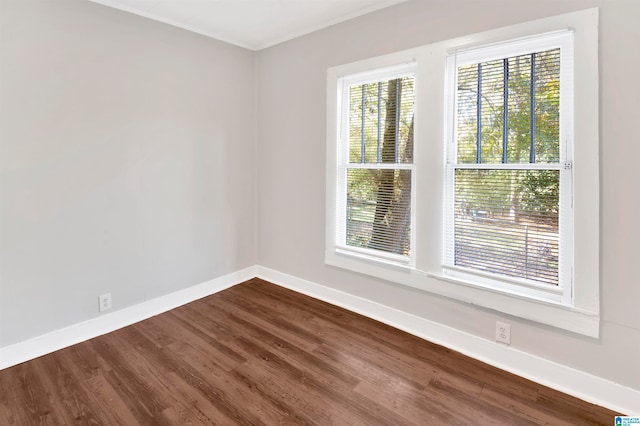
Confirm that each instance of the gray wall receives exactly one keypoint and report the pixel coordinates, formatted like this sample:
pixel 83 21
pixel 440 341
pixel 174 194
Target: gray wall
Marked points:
pixel 127 160
pixel 291 78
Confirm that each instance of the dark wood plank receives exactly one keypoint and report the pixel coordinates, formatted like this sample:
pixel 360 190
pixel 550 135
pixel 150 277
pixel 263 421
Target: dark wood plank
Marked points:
pixel 259 354
pixel 109 401
pixel 66 390
pixel 31 400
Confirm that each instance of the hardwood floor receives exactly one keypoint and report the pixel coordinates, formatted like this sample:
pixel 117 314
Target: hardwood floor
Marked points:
pixel 260 354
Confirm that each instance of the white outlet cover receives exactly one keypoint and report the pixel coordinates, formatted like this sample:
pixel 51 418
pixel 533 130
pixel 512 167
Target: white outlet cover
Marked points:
pixel 104 301
pixel 503 332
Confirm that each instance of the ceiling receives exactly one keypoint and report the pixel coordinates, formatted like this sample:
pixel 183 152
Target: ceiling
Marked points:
pixel 253 24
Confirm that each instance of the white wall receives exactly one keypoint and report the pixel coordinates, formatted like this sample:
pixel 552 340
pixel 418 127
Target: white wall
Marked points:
pixel 127 160
pixel 291 79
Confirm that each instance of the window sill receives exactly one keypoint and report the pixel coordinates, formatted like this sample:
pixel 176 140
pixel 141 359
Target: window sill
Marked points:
pixel 392 261
pixel 356 262
pixel 555 314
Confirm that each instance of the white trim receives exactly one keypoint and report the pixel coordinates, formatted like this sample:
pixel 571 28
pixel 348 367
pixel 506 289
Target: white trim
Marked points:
pixel 580 308
pixel 389 259
pixel 565 379
pixel 484 52
pixel 378 166
pixel 403 69
pixel 76 333
pixel 175 23
pixel 560 377
pixel 507 166
pixel 544 311
pixel 479 54
pixel 311 29
pixel 571 318
pixel 256 46
pixel 339 84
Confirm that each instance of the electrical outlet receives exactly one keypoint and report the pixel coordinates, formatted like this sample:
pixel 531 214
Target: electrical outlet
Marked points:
pixel 104 302
pixel 503 332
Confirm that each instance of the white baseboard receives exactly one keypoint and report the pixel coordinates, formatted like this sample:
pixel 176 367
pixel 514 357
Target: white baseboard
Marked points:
pixel 68 336
pixel 565 379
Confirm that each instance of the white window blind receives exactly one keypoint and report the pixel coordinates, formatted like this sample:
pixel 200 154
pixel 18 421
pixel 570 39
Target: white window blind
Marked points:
pixel 509 162
pixel 375 196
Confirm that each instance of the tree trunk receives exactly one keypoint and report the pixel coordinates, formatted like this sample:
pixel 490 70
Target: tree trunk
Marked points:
pixel 401 209
pixel 392 215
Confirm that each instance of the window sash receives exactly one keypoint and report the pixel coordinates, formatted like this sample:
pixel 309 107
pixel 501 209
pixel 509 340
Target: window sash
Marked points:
pixel 458 57
pixel 345 166
pixel 493 97
pixel 563 291
pixel 517 230
pixel 348 220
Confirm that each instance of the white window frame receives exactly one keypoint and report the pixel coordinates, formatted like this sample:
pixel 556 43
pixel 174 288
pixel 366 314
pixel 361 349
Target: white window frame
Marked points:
pixel 578 309
pixel 387 73
pixel 563 292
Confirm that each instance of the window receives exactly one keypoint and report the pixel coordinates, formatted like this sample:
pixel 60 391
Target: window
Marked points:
pixel 508 172
pixel 469 168
pixel 376 165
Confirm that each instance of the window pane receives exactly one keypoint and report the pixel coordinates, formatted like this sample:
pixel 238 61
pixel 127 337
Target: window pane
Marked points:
pixel 381 121
pixel 355 124
pixel 467 113
pixel 502 121
pixel 379 209
pixel 506 222
pixel 519 109
pixel 492 101
pixel 547 106
pixel 405 120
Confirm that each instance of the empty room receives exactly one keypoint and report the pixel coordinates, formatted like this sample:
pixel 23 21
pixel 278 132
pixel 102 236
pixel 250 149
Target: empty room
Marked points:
pixel 330 212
